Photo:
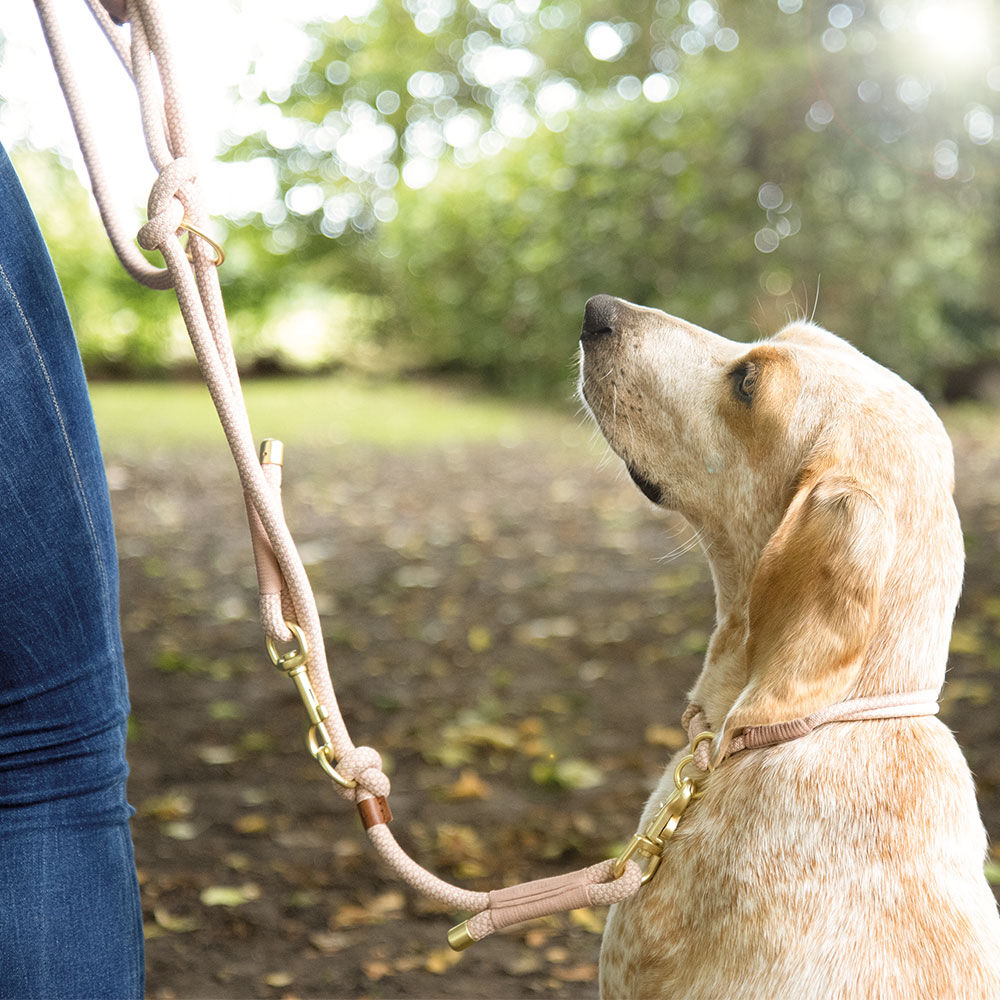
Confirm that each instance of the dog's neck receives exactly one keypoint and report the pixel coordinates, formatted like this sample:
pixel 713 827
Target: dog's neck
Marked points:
pixel 724 673
pixel 899 656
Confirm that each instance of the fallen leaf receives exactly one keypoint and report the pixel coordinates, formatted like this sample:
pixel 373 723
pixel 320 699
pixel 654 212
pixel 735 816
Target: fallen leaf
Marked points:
pixel 531 726
pixel 172 806
pixel 455 745
pixel 557 954
pixel 441 960
pixel 251 823
pixel 376 969
pixel 586 973
pixel 461 847
pixel 526 963
pixel 216 755
pixel 351 915
pixel 537 936
pixel 230 895
pixel 387 906
pixel 557 704
pixel 569 773
pixel 407 963
pixel 279 980
pixel 175 925
pixel 329 942
pixel 536 748
pixel 468 786
pixel 541 629
pixel 223 710
pixel 180 831
pixel 387 903
pixel 256 741
pixel 479 638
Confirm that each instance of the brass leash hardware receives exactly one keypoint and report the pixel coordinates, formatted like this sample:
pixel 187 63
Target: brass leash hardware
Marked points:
pixel 294 663
pixel 460 938
pixel 190 227
pixel 652 838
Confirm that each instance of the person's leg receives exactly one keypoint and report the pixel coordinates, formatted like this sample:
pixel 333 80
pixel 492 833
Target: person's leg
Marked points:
pixel 70 920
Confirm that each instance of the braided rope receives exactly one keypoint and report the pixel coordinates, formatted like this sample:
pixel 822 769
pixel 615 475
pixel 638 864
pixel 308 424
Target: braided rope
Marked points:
pixel 175 203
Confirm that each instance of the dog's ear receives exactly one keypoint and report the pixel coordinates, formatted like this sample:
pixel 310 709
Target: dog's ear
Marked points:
pixel 814 601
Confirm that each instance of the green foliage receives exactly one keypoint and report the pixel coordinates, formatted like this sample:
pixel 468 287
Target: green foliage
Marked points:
pixel 278 319
pixel 122 328
pixel 457 178
pixel 489 267
pixel 775 152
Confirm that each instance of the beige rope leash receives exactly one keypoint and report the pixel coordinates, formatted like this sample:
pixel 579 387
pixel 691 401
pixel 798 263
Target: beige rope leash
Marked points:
pixel 287 607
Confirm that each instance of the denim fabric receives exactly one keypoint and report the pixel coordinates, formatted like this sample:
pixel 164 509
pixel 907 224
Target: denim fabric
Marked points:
pixel 70 920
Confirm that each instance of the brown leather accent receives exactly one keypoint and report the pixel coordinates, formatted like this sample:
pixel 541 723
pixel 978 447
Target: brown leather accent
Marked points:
pixel 374 811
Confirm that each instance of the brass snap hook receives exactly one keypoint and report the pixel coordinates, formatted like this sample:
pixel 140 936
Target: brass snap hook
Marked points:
pixel 295 657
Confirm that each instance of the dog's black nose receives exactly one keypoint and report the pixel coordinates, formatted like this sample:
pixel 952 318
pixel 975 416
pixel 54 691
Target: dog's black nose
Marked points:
pixel 599 316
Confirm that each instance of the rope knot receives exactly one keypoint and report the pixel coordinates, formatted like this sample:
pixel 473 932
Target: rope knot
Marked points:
pixel 170 200
pixel 364 765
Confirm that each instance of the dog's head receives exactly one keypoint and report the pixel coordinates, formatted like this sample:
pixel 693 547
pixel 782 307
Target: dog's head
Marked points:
pixel 821 483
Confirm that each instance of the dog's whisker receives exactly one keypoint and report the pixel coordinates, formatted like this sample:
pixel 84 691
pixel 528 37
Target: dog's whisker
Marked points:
pixel 812 315
pixel 683 549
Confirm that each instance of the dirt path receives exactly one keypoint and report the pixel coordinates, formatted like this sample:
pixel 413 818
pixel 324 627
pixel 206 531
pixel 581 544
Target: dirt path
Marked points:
pixel 502 628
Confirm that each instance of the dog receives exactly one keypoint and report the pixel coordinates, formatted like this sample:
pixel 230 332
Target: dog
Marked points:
pixel 847 863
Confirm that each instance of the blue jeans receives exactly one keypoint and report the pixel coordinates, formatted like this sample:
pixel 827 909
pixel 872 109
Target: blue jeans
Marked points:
pixel 70 919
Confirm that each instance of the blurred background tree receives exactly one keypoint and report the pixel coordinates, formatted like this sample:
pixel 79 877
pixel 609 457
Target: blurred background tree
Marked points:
pixel 453 179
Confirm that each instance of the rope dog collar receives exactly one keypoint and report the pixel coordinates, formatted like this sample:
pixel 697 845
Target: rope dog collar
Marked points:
pixel 908 704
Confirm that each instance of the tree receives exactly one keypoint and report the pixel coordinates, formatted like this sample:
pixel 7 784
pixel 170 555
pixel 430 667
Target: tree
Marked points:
pixel 488 166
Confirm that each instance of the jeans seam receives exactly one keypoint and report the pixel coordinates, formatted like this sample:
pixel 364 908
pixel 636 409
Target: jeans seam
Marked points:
pixel 105 586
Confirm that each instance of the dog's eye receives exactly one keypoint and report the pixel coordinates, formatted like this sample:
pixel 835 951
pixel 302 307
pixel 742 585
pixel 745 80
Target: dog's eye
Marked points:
pixel 745 381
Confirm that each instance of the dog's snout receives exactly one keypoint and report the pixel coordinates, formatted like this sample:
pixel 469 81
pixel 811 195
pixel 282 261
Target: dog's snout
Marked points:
pixel 599 316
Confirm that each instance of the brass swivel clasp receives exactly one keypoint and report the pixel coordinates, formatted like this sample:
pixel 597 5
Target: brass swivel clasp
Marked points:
pixel 294 663
pixel 651 839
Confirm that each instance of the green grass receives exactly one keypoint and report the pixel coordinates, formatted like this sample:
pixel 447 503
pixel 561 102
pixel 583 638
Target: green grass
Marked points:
pixel 153 416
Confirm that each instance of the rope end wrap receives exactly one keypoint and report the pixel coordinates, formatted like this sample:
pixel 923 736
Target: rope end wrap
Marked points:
pixel 272 452
pixel 459 937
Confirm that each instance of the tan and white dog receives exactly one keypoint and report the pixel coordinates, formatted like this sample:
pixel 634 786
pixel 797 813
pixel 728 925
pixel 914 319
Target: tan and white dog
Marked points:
pixel 847 863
